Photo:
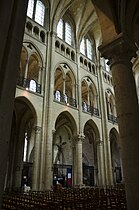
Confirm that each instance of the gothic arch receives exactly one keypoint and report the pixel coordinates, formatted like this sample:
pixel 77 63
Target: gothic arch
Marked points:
pixel 115 155
pixel 91 133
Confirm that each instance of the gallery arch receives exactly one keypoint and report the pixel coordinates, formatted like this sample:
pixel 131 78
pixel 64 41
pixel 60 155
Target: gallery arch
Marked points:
pixel 65 85
pixel 89 96
pixel 30 69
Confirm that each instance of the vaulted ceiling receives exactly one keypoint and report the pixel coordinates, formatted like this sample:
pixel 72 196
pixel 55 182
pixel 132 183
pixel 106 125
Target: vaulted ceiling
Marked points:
pixel 83 14
pixel 102 19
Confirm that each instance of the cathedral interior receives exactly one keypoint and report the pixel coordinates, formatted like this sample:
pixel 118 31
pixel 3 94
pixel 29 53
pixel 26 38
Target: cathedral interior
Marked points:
pixel 69 91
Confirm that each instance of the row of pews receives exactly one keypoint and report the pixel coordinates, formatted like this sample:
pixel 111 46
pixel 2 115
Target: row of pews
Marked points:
pixel 67 199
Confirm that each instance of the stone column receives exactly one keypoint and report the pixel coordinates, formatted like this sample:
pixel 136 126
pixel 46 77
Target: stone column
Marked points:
pixel 74 163
pixel 36 159
pixel 104 128
pixel 11 37
pixel 119 52
pixel 110 171
pixel 79 168
pixel 100 161
pixel 64 85
pixel 40 75
pixel 26 68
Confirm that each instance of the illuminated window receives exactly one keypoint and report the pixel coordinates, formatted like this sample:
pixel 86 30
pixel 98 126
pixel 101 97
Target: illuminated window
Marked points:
pixel 60 29
pixel 30 8
pixel 36 11
pixel 82 46
pixel 66 98
pixel 86 48
pixel 84 106
pixel 68 33
pixel 57 95
pixel 39 13
pixel 64 31
pixel 32 86
pixel 89 49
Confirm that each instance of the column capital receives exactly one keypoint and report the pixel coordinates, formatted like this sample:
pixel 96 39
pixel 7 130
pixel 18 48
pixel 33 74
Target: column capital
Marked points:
pixel 37 129
pixel 81 137
pixel 78 137
pixel 120 50
pixel 99 142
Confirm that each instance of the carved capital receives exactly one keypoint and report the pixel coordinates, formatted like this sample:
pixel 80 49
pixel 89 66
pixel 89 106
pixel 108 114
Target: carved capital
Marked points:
pixel 120 50
pixel 78 137
pixel 81 137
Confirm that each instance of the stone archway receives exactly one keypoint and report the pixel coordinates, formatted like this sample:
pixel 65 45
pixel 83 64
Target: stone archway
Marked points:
pixel 115 155
pixel 20 162
pixel 63 154
pixel 90 156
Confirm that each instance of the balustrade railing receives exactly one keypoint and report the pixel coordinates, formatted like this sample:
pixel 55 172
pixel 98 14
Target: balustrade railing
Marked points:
pixel 63 98
pixel 31 85
pixel 93 110
pixel 112 118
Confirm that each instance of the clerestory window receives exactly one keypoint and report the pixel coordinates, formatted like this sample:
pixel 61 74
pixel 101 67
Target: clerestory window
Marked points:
pixel 30 8
pixel 64 31
pixel 36 11
pixel 86 47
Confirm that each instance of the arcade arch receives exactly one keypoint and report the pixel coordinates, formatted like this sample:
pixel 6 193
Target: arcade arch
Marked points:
pixel 21 158
pixel 63 157
pixel 115 155
pixel 90 154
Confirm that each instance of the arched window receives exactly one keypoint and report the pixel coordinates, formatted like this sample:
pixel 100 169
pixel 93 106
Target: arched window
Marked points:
pixel 66 98
pixel 82 46
pixel 86 47
pixel 36 11
pixel 60 29
pixel 30 8
pixel 57 95
pixel 89 49
pixel 39 13
pixel 84 106
pixel 64 31
pixel 68 33
pixel 32 86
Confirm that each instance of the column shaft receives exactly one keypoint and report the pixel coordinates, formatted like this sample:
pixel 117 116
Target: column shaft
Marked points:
pixel 11 36
pixel 79 169
pixel 101 171
pixel 36 160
